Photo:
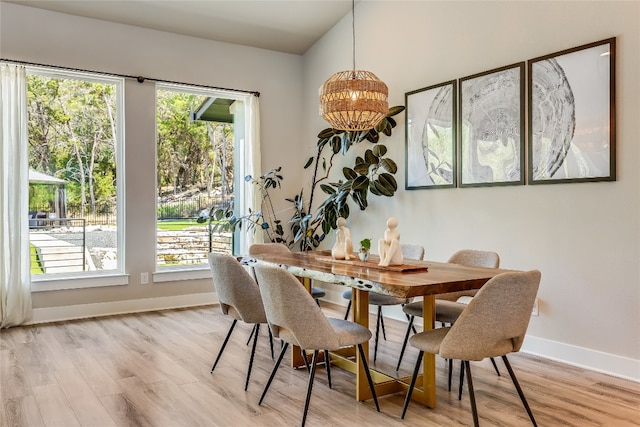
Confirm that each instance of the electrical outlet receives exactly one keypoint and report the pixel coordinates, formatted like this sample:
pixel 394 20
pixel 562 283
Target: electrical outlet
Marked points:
pixel 144 278
pixel 534 311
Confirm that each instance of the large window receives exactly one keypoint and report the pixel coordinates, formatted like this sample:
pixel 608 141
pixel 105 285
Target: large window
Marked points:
pixel 75 144
pixel 197 150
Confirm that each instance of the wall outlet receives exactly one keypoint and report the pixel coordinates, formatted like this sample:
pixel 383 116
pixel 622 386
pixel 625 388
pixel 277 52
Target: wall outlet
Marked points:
pixel 144 278
pixel 534 311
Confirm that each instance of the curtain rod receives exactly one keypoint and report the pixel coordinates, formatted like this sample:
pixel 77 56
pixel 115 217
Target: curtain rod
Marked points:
pixel 139 79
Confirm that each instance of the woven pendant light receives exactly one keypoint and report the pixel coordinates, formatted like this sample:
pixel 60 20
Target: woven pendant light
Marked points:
pixel 353 100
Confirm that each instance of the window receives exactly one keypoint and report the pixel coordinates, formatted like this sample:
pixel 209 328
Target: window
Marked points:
pixel 199 136
pixel 75 144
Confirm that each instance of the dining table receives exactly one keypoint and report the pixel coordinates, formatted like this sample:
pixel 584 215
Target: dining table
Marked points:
pixel 413 278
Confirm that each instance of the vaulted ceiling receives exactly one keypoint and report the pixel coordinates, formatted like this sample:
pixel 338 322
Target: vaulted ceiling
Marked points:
pixel 291 26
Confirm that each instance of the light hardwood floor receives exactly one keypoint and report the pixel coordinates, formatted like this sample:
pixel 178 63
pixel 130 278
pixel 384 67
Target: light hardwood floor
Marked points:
pixel 152 369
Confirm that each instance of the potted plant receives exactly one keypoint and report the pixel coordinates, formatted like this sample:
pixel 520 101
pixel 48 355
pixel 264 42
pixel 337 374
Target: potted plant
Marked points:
pixel 365 247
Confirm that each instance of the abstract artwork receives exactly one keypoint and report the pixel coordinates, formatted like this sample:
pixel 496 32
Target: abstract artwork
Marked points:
pixel 491 126
pixel 431 137
pixel 571 115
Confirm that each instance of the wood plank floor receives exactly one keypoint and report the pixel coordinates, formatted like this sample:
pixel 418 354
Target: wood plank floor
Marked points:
pixel 152 369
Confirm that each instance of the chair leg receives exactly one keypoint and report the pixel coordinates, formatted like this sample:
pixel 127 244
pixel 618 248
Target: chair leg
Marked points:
pixel 384 333
pixel 416 370
pixel 304 357
pixel 285 345
pixel 346 315
pixel 327 364
pixel 270 341
pixel 495 366
pixel 520 393
pixel 406 339
pixel 472 396
pixel 224 344
pixel 375 347
pixel 368 374
pixel 461 380
pixel 310 386
pixel 253 331
pixel 450 373
pixel 253 352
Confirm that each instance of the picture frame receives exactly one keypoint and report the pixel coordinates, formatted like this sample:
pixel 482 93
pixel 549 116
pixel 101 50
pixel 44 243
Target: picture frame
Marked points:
pixel 491 127
pixel 430 143
pixel 572 115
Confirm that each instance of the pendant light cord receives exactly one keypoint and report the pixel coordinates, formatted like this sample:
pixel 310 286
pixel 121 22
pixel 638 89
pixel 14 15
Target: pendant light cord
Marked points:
pixel 353 31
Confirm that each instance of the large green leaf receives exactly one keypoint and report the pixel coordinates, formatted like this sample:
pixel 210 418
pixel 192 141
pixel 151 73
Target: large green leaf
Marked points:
pixel 360 183
pixel 349 173
pixel 389 165
pixel 380 150
pixel 370 157
pixel 327 189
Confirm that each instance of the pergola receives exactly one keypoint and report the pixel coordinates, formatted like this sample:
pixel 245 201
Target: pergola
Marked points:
pixel 60 195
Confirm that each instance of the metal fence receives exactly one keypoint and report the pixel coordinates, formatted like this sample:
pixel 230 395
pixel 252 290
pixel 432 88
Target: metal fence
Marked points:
pixel 58 245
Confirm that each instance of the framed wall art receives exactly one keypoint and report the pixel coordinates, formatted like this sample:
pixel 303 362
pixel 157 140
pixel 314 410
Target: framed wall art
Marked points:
pixel 572 115
pixel 430 153
pixel 491 127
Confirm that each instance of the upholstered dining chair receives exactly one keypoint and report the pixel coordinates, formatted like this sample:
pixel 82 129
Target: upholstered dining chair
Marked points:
pixel 447 307
pixel 493 324
pixel 284 299
pixel 239 298
pixel 261 248
pixel 409 251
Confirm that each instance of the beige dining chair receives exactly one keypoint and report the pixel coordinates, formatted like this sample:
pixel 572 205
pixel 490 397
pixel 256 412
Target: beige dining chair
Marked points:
pixel 493 324
pixel 262 248
pixel 239 298
pixel 447 307
pixel 285 298
pixel 409 251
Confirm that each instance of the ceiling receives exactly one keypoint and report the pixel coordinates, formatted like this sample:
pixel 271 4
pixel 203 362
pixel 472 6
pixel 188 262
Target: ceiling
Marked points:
pixel 291 26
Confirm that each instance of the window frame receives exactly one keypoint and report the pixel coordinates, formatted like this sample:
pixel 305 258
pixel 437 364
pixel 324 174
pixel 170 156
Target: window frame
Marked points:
pixel 90 279
pixel 202 271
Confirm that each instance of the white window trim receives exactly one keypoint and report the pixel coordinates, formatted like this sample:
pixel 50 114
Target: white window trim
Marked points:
pixel 93 279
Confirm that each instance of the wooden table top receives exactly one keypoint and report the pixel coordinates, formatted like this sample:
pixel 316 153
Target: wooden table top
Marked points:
pixel 439 277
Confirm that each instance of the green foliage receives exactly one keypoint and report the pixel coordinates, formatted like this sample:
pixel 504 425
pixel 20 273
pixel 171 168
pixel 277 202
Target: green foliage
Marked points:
pixel 365 245
pixel 372 173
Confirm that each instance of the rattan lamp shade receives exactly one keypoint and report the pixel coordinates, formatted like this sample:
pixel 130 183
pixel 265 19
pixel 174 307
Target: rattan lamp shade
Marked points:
pixel 354 100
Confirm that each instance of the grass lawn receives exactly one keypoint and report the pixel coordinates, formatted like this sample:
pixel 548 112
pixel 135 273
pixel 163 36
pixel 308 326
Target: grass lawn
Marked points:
pixel 35 265
pixel 180 224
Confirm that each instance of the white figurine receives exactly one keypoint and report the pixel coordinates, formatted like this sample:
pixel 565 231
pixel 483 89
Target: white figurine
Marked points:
pixel 343 248
pixel 389 247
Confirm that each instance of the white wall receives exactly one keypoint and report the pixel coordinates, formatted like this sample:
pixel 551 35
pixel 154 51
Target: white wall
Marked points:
pixel 29 34
pixel 584 238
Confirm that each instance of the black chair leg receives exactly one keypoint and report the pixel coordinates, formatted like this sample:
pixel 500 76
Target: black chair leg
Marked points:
pixel 369 379
pixel 472 396
pixel 461 380
pixel 495 366
pixel 375 348
pixel 346 315
pixel 285 345
pixel 253 331
pixel 327 364
pixel 253 352
pixel 384 333
pixel 406 339
pixel 520 393
pixel 450 373
pixel 304 357
pixel 310 386
pixel 416 370
pixel 224 344
pixel 270 341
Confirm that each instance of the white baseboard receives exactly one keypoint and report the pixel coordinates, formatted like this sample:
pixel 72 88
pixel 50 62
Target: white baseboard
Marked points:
pixel 606 363
pixel 83 311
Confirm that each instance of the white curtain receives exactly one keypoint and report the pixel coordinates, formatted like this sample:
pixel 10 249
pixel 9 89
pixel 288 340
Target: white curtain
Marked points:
pixel 253 167
pixel 15 283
